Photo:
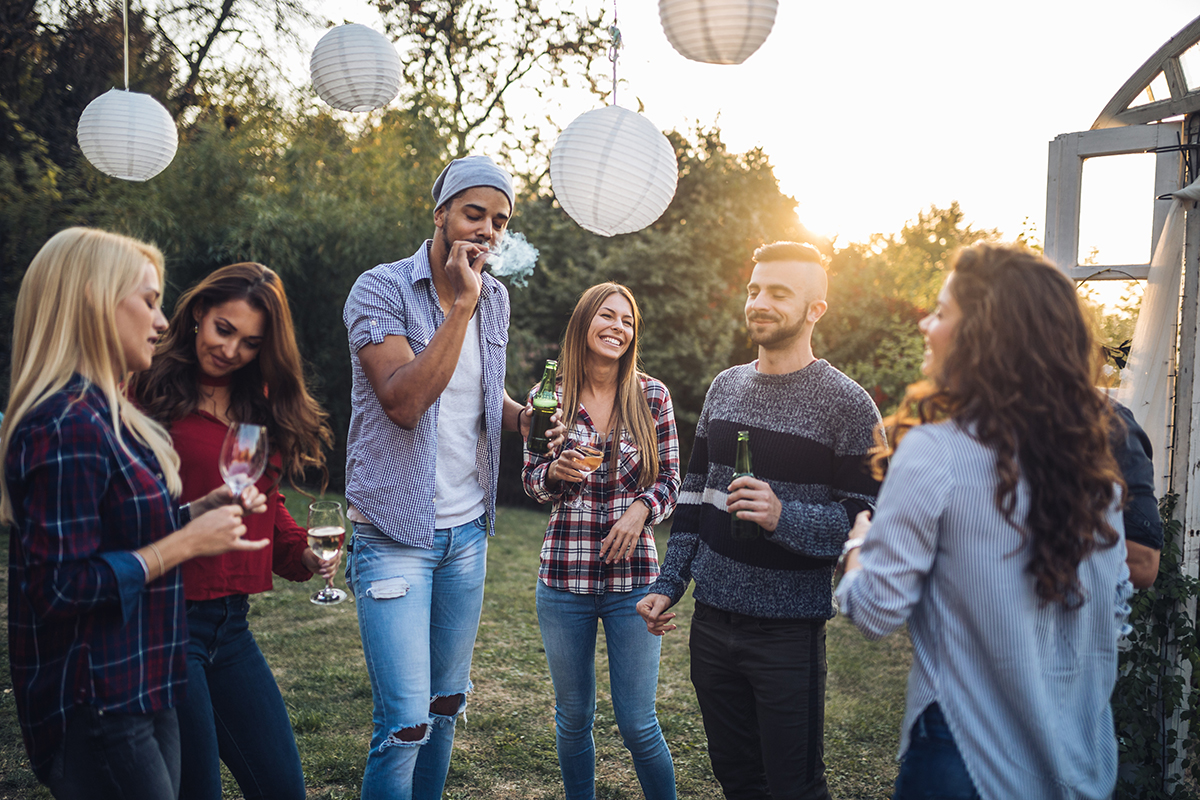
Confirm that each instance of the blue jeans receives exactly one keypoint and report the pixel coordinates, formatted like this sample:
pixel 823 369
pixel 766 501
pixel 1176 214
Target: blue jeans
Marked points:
pixel 933 768
pixel 233 711
pixel 418 612
pixel 108 756
pixel 568 623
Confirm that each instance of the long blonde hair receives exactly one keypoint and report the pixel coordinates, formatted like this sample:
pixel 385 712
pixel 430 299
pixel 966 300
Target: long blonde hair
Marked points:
pixel 66 324
pixel 631 412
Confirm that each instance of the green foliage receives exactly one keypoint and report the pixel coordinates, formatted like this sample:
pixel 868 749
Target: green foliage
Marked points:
pixel 1150 688
pixel 688 272
pixel 299 193
pixel 878 291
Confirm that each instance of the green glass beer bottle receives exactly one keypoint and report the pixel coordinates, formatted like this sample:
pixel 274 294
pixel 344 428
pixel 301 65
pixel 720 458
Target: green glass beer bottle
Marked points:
pixel 742 529
pixel 545 403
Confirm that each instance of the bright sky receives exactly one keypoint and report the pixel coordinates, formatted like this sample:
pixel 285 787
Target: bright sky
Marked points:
pixel 872 111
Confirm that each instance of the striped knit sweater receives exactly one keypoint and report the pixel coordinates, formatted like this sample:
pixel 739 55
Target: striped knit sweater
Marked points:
pixel 810 432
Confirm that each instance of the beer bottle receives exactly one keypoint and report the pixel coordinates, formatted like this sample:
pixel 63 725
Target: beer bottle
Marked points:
pixel 742 529
pixel 545 403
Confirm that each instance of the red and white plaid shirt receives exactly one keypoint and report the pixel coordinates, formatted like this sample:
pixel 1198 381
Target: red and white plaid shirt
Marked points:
pixel 570 557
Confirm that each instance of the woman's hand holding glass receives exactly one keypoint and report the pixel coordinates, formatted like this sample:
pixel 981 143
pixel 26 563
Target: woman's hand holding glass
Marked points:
pixel 327 568
pixel 584 454
pixel 219 531
pixel 251 500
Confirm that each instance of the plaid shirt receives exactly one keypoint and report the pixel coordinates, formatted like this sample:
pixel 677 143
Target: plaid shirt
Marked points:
pixel 83 626
pixel 390 471
pixel 571 550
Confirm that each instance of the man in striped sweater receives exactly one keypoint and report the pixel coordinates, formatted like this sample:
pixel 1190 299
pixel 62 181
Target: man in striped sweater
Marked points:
pixel 758 632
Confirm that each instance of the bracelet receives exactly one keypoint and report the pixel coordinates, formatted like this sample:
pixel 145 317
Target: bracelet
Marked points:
pixel 852 544
pixel 162 566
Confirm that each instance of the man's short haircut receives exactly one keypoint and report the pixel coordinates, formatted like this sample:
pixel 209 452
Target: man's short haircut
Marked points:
pixel 448 203
pixel 788 251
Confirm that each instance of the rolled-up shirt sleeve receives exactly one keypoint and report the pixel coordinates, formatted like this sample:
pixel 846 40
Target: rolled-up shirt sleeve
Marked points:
pixel 371 313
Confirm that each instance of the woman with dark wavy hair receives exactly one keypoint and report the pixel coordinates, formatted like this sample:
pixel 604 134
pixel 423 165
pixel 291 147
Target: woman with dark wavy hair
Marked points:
pixel 997 538
pixel 231 355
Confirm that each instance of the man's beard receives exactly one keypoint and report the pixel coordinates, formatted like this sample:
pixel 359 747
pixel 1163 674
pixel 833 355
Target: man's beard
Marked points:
pixel 778 338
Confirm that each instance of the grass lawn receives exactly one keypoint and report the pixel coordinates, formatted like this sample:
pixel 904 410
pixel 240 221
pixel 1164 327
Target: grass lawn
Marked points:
pixel 505 748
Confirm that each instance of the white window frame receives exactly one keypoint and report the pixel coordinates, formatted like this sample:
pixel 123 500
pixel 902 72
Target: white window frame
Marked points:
pixel 1067 154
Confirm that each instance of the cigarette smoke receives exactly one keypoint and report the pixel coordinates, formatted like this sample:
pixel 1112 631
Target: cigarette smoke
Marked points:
pixel 515 259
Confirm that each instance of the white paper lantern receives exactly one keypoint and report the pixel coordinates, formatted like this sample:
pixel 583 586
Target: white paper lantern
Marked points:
pixel 128 135
pixel 355 68
pixel 613 171
pixel 717 31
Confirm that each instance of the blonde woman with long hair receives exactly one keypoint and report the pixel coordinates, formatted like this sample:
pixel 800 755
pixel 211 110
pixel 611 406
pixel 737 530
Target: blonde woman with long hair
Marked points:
pixel 598 560
pixel 97 625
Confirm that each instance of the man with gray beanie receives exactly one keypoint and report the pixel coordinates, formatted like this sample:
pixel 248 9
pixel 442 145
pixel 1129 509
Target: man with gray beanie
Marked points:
pixel 427 346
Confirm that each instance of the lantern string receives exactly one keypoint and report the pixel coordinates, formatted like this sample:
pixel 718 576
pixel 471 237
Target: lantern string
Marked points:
pixel 614 50
pixel 125 19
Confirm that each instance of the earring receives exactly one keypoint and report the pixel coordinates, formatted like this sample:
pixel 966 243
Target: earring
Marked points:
pixel 196 328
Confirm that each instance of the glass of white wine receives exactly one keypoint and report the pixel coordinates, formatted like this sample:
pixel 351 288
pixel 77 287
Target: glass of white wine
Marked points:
pixel 326 533
pixel 243 456
pixel 588 452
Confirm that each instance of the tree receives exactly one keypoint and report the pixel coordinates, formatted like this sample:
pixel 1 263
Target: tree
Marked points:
pixel 878 291
pixel 688 272
pixel 463 58
pixel 297 192
pixel 196 31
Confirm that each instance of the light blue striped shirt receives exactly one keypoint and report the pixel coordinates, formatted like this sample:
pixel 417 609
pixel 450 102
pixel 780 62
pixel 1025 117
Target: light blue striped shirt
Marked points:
pixel 1024 686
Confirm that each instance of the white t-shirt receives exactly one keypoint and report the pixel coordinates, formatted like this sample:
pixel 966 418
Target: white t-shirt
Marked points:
pixel 459 497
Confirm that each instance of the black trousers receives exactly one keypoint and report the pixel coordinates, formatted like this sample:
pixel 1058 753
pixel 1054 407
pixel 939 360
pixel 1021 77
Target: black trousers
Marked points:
pixel 761 687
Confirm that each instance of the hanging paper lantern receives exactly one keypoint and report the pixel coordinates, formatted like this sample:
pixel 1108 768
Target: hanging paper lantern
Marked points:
pixel 612 171
pixel 128 135
pixel 355 68
pixel 717 31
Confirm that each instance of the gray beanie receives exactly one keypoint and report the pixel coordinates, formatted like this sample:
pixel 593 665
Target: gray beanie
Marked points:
pixel 468 172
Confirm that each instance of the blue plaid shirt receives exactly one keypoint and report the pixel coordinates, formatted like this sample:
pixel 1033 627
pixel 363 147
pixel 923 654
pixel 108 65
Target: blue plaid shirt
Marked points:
pixel 84 628
pixel 390 471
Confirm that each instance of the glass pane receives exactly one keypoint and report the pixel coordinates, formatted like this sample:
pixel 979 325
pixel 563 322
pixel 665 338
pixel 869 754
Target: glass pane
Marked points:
pixel 1157 90
pixel 1116 210
pixel 1190 61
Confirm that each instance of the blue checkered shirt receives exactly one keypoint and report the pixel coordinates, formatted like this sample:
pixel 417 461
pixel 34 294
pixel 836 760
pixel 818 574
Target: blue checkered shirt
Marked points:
pixel 390 471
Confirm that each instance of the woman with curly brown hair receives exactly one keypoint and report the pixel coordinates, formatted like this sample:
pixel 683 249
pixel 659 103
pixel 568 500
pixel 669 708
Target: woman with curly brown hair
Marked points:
pixel 230 355
pixel 997 538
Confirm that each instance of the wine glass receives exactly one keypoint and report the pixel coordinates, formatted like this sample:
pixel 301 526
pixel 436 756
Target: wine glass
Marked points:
pixel 243 456
pixel 589 453
pixel 326 533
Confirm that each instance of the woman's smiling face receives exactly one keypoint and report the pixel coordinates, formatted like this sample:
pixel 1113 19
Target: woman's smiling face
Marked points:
pixel 611 331
pixel 938 328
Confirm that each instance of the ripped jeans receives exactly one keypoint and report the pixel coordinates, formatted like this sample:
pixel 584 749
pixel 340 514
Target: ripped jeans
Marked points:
pixel 418 612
